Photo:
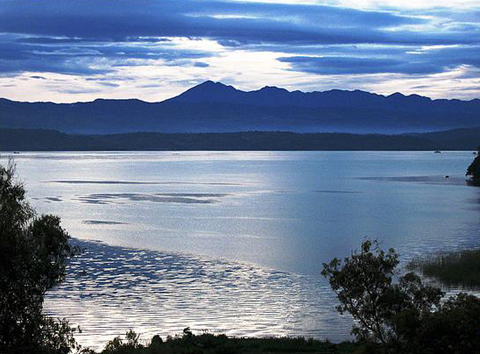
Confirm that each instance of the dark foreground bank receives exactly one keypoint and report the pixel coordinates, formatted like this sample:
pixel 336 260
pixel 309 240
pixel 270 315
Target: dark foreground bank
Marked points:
pixel 207 343
pixel 52 140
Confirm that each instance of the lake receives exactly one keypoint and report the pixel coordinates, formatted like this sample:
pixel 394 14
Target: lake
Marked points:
pixel 233 242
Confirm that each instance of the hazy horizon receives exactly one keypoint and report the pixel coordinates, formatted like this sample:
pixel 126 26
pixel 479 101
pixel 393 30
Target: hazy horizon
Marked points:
pixel 253 90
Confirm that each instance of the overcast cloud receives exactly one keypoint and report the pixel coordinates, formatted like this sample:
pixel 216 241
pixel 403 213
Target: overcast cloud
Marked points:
pixel 154 49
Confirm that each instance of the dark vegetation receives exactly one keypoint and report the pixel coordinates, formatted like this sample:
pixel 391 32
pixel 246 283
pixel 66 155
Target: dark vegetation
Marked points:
pixel 474 170
pixel 405 316
pixel 33 254
pixel 214 107
pixel 207 343
pixel 460 268
pixel 50 140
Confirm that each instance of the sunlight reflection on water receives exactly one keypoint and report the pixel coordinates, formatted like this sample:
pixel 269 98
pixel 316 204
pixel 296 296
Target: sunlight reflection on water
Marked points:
pixel 215 224
pixel 110 290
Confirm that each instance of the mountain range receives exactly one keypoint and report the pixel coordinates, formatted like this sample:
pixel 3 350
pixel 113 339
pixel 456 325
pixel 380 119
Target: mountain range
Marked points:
pixel 215 107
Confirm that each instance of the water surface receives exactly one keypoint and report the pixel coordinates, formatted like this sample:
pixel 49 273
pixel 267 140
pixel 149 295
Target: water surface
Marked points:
pixel 234 241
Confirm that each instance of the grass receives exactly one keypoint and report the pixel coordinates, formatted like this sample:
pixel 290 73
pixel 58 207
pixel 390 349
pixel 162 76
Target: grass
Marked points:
pixel 461 268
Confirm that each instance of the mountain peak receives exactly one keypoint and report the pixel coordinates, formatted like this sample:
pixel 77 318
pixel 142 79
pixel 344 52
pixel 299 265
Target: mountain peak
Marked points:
pixel 207 91
pixel 397 95
pixel 272 89
pixel 211 85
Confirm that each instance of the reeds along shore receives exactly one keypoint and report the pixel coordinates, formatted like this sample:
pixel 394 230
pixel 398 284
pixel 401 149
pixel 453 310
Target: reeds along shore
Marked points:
pixel 461 268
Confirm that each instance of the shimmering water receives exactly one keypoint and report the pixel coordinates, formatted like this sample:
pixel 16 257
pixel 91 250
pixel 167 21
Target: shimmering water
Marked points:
pixel 114 289
pixel 233 241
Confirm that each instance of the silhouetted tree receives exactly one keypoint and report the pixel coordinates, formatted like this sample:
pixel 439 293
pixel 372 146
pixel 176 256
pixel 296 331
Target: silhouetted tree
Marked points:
pixel 474 170
pixel 33 255
pixel 402 317
pixel 120 346
pixel 452 329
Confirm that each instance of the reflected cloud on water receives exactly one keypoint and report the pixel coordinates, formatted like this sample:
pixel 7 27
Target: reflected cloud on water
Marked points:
pixel 446 180
pixel 144 182
pixel 103 222
pixel 187 198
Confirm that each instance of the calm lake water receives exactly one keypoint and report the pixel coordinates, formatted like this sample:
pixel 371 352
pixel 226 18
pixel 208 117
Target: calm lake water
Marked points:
pixel 233 242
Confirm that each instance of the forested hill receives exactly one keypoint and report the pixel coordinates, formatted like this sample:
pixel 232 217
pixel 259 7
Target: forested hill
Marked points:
pixel 215 107
pixel 50 140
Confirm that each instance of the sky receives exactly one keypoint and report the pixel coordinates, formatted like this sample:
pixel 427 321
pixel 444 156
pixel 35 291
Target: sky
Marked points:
pixel 80 50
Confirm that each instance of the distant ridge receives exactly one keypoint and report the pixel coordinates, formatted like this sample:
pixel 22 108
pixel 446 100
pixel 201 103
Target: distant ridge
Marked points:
pixel 215 107
pixel 210 91
pixel 51 140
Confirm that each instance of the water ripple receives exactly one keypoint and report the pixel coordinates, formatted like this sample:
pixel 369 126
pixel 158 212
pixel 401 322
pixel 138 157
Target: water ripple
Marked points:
pixel 109 290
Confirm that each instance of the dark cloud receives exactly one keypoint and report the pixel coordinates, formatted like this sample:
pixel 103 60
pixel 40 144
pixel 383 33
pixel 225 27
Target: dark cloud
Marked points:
pixel 412 63
pixel 149 86
pixel 229 43
pixel 421 87
pixel 69 67
pixel 116 20
pixel 91 37
pixel 67 40
pixel 334 50
pixel 342 65
pixel 80 57
pixel 109 84
pixel 471 16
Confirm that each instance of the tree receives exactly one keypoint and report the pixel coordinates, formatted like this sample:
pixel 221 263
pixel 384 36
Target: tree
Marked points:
pixel 118 346
pixel 452 329
pixel 34 251
pixel 403 317
pixel 474 170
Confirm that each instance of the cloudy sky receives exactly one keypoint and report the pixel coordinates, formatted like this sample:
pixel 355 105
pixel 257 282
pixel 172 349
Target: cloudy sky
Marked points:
pixel 79 50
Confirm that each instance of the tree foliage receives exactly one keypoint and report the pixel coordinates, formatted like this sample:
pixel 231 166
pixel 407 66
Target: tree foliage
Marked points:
pixel 34 251
pixel 406 316
pixel 474 171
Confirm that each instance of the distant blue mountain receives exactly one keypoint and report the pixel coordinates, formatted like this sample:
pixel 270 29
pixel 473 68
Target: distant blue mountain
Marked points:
pixel 272 96
pixel 215 107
